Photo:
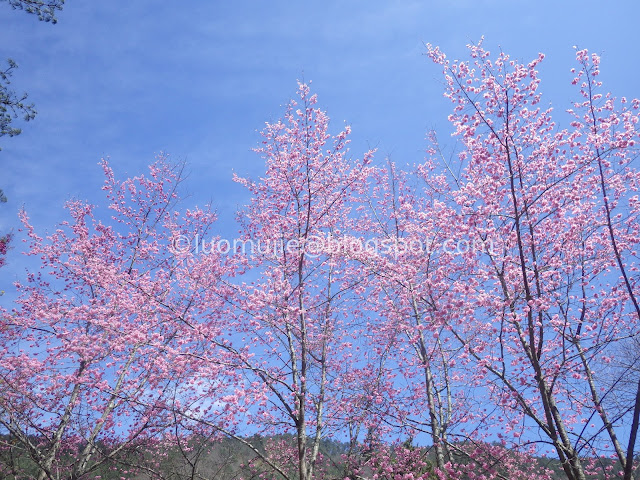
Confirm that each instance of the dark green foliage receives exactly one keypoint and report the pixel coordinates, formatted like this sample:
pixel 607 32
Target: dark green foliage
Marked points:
pixel 12 105
pixel 227 458
pixel 45 10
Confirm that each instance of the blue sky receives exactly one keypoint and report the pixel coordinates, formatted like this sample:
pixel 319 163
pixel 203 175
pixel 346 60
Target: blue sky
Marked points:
pixel 130 79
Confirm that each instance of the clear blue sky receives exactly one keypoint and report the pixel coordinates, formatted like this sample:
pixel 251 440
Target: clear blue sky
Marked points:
pixel 198 79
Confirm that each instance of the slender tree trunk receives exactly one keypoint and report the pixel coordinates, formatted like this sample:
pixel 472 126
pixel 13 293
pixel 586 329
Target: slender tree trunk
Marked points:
pixel 45 470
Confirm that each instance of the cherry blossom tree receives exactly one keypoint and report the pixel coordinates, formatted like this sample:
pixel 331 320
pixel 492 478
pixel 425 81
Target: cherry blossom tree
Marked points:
pixel 548 310
pixel 94 356
pixel 487 307
pixel 294 331
pixel 417 273
pixel 481 461
pixel 410 281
